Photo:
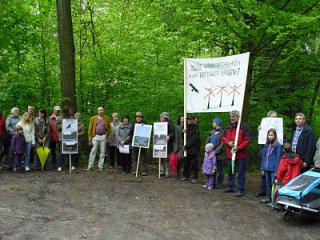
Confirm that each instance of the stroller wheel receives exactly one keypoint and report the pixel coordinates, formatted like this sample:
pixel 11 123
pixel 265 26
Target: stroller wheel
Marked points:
pixel 287 216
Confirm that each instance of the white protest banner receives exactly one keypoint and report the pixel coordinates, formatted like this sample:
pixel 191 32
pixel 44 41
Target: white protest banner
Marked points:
pixel 160 131
pixel 216 84
pixel 142 134
pixel 69 136
pixel 268 123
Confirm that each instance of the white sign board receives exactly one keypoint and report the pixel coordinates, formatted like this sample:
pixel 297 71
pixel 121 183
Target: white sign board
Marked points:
pixel 268 123
pixel 160 132
pixel 216 84
pixel 142 134
pixel 69 136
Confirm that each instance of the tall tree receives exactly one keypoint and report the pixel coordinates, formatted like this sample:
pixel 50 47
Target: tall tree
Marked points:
pixel 67 54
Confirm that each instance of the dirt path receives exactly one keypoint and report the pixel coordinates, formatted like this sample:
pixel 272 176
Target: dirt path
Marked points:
pixel 110 205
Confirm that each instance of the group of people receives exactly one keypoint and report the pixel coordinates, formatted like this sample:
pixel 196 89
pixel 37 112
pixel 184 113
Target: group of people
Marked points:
pixel 21 135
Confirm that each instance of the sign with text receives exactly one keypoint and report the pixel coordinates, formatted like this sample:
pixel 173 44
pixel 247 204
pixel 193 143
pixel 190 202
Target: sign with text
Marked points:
pixel 216 84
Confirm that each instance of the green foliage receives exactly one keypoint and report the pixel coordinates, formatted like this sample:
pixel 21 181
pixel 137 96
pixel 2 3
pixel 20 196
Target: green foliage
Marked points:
pixel 129 55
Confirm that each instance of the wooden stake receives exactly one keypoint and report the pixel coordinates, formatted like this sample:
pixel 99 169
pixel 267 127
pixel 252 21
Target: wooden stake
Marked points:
pixel 138 161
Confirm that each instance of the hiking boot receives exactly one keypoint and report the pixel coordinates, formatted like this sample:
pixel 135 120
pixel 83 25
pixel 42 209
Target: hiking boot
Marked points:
pixel 260 194
pixel 162 173
pixel 265 200
pixel 100 169
pixel 239 194
pixel 89 169
pixel 229 190
pixel 144 174
pixel 183 179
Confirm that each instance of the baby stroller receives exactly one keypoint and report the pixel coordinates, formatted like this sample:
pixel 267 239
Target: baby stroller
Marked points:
pixel 301 195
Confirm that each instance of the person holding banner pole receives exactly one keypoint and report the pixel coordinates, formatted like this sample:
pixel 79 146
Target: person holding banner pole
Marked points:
pixel 164 117
pixel 143 151
pixel 239 148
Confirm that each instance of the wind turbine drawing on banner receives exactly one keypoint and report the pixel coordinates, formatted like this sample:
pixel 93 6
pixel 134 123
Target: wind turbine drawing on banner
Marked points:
pixel 234 90
pixel 210 92
pixel 222 89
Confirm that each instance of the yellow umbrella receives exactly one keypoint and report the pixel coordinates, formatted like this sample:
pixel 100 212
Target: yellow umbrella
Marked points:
pixel 43 152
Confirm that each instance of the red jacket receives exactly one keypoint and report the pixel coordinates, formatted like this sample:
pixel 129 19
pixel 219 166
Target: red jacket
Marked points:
pixel 2 127
pixel 54 134
pixel 289 168
pixel 244 139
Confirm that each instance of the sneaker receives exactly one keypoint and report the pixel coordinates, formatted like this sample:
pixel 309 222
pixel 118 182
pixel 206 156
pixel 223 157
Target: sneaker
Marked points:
pixel 270 205
pixel 205 186
pixel 183 179
pixel 209 188
pixel 89 169
pixel 144 174
pixel 27 169
pixel 260 194
pixel 167 175
pixel 162 173
pixel 59 169
pixel 194 180
pixel 73 168
pixel 133 173
pixel 229 190
pixel 239 194
pixel 100 169
pixel 265 200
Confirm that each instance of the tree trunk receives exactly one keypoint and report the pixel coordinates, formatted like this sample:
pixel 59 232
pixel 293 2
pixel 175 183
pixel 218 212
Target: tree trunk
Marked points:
pixel 313 101
pixel 67 54
pixel 246 100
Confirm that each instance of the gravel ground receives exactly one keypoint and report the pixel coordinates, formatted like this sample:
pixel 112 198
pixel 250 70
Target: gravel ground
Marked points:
pixel 110 205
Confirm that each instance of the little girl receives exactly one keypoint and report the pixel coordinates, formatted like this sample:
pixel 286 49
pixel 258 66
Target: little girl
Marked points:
pixel 18 145
pixel 271 155
pixel 209 166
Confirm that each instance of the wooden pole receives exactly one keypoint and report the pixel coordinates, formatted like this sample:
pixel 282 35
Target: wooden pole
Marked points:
pixel 159 167
pixel 69 163
pixel 138 161
pixel 185 107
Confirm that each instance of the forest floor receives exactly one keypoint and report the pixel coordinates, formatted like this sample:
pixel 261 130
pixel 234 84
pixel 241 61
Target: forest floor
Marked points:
pixel 110 205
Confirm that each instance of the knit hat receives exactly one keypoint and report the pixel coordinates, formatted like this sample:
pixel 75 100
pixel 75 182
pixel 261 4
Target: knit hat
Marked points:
pixel 209 147
pixel 218 121
pixel 57 108
pixel 164 115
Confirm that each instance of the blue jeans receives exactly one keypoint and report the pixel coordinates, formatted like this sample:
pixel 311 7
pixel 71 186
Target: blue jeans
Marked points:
pixel 269 181
pixel 240 164
pixel 36 158
pixel 28 151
